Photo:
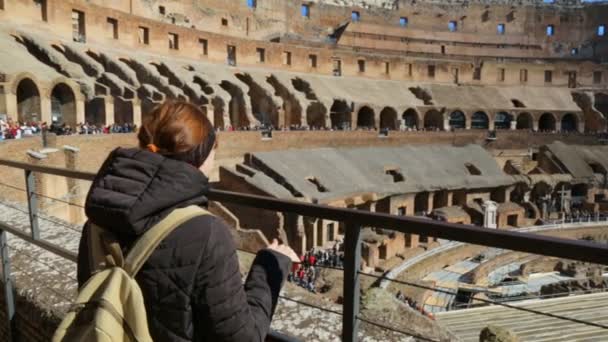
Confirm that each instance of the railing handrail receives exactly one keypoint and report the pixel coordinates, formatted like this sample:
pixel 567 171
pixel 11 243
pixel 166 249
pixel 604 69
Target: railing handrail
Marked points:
pixel 516 241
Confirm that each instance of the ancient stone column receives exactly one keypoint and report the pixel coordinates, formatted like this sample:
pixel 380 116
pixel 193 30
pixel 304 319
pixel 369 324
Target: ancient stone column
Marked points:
pixel 10 101
pixel 109 109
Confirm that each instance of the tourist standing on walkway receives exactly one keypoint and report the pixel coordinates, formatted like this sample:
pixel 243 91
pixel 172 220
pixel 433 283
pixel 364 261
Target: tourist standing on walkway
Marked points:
pixel 191 283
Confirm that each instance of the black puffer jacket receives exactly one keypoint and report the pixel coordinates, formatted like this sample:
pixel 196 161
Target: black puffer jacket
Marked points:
pixel 191 283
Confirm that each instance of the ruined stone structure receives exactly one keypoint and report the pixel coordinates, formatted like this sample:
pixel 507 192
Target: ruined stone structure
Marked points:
pixel 354 64
pixel 454 184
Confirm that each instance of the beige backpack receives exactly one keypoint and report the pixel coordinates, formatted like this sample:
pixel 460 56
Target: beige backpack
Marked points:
pixel 110 306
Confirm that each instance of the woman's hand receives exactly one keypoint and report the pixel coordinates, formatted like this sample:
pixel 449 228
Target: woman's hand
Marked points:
pixel 284 249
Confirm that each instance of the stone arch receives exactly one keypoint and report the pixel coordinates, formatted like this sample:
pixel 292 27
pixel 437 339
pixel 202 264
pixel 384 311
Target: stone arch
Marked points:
pixel 480 120
pixel 525 121
pixel 340 115
pixel 123 111
pixel 546 122
pixel 410 118
pixel 316 115
pixel 95 111
pixel 569 123
pixel 365 118
pixel 502 120
pixel 63 104
pixel 388 118
pixel 433 119
pixel 458 120
pixel 28 100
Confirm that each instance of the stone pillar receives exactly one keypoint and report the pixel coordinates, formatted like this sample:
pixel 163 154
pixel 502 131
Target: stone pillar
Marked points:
pixel 109 109
pixel 446 123
pixel 450 199
pixel 558 125
pixel 490 214
pixel 580 125
pixel 11 105
pixel 534 124
pixel 137 112
pixel 430 202
pixel 39 159
pixel 80 111
pixel 491 125
pixel 281 114
pixel 514 123
pixel 45 109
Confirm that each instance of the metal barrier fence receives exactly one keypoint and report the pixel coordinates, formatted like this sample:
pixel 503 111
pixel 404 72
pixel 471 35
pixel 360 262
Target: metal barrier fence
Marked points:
pixel 354 221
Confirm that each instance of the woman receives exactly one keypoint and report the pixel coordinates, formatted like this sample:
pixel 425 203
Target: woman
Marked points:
pixel 191 283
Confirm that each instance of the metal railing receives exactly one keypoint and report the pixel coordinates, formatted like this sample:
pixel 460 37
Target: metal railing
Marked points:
pixel 354 221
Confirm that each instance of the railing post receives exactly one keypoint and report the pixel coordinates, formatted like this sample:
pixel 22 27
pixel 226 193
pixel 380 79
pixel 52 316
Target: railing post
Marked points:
pixel 352 264
pixel 8 286
pixel 32 203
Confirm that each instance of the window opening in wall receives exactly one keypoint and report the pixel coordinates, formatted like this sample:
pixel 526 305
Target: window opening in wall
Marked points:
pixel 453 26
pixel 571 79
pixel 597 77
pixel 548 76
pixel 401 211
pixel 252 3
pixel 204 43
pixel 143 35
pixel 112 28
pixel 395 173
pixel 231 55
pixel 361 64
pixel 443 49
pixel 287 57
pixel 173 41
pixel 550 30
pixel 312 61
pixel 523 75
pixel 41 4
pixel 78 29
pixel 574 51
pixel 477 74
pixel 387 68
pixel 500 29
pixel 1 4
pixel 355 16
pixel 305 10
pixel 337 67
pixel 403 21
pixel 261 55
pixel 472 169
pixel 315 182
pixel 601 30
pixel 431 71
pixel 410 68
pixel 162 10
pixel 501 74
pixel 224 22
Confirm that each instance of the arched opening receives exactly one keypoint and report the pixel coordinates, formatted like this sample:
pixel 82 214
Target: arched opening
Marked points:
pixel 365 118
pixel 480 120
pixel 123 111
pixel 524 121
pixel 315 115
pixel 388 118
pixel 95 112
pixel 503 120
pixel 218 113
pixel 63 105
pixel 541 196
pixel 569 123
pixel 546 122
pixel 433 120
pixel 28 101
pixel 340 115
pixel 410 119
pixel 458 120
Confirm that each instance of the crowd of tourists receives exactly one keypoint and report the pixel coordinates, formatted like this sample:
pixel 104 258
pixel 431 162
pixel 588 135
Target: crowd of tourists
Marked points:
pixel 11 129
pixel 412 304
pixel 305 273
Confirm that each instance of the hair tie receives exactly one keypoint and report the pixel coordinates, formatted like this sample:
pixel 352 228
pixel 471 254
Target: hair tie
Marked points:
pixel 152 148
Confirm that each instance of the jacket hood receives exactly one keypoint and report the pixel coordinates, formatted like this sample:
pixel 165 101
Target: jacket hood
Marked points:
pixel 135 189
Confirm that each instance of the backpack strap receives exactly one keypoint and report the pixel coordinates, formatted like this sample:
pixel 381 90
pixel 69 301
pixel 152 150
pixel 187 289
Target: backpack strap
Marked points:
pixel 147 243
